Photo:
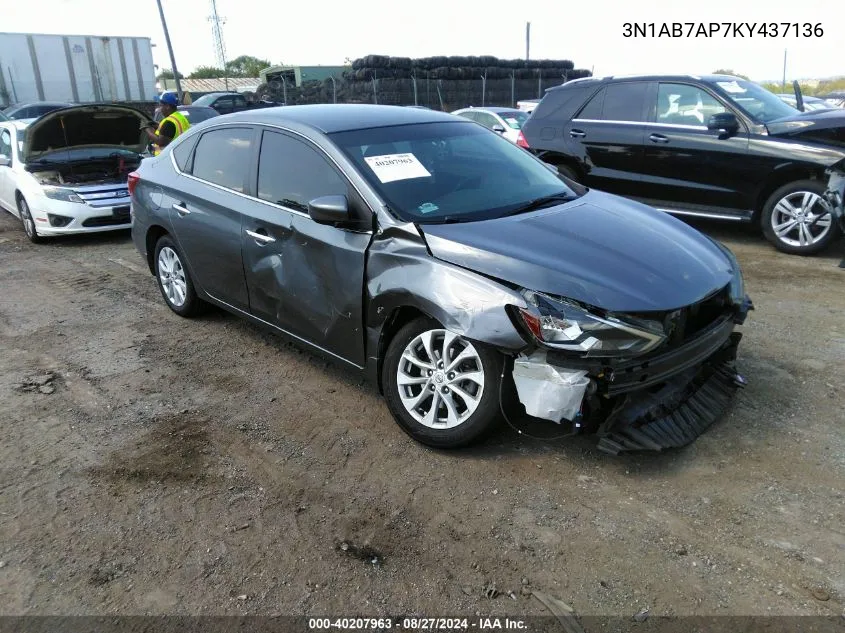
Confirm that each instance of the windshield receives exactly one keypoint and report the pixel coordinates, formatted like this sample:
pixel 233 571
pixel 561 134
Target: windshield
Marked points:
pixel 206 100
pixel 758 102
pixel 515 119
pixel 448 172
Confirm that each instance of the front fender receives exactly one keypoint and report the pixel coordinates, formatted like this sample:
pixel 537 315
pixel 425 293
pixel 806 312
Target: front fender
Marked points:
pixel 402 273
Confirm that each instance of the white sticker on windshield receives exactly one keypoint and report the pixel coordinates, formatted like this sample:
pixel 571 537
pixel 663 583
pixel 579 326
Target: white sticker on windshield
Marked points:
pixel 391 167
pixel 731 86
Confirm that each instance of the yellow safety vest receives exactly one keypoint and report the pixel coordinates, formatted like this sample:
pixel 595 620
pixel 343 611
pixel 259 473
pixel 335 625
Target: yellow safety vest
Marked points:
pixel 179 121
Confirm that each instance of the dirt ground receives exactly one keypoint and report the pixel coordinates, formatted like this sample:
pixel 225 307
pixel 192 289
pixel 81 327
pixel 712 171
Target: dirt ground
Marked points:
pixel 156 465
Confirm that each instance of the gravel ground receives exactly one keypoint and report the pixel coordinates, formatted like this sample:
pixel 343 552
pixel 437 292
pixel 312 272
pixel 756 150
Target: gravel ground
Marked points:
pixel 156 465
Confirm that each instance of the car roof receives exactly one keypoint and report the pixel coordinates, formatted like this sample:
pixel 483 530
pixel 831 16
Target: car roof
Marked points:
pixel 18 124
pixel 495 109
pixel 708 78
pixel 340 117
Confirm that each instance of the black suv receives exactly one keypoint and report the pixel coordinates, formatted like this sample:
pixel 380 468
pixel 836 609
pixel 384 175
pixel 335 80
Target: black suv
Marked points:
pixel 713 146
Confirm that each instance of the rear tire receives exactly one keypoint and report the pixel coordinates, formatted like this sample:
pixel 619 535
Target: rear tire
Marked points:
pixel 436 400
pixel 797 219
pixel 29 227
pixel 174 280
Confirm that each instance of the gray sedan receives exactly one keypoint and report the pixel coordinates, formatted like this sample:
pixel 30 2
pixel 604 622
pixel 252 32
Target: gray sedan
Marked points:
pixel 462 275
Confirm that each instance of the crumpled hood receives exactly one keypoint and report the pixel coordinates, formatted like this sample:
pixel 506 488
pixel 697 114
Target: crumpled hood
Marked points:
pixel 805 121
pixel 85 126
pixel 602 250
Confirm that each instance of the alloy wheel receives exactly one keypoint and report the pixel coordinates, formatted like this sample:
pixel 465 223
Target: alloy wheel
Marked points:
pixel 440 379
pixel 801 219
pixel 26 218
pixel 171 274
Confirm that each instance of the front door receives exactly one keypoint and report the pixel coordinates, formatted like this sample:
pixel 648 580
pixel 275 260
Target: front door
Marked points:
pixel 205 211
pixel 304 277
pixel 7 183
pixel 688 166
pixel 606 137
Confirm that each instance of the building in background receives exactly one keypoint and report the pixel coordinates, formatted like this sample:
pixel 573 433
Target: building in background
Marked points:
pixel 75 68
pixel 200 87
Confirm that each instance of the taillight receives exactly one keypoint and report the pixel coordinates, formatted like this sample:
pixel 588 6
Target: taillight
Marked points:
pixel 132 180
pixel 520 140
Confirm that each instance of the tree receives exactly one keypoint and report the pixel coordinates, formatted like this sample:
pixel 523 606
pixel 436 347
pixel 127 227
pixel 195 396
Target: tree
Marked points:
pixel 722 71
pixel 246 66
pixel 207 72
pixel 166 73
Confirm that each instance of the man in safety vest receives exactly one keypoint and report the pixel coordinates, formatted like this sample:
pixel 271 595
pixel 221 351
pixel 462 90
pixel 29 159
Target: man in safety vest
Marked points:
pixel 172 124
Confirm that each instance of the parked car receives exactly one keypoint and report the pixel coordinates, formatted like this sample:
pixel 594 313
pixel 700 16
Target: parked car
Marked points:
pixel 450 267
pixel 3 117
pixel 229 102
pixel 712 146
pixel 810 103
pixel 33 110
pixel 195 114
pixel 504 121
pixel 66 171
pixel 527 105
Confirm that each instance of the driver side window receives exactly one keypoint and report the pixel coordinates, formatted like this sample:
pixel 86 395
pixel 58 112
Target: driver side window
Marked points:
pixel 682 104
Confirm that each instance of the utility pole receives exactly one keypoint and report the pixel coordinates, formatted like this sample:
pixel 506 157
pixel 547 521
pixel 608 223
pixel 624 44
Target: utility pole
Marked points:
pixel 527 39
pixel 219 47
pixel 170 50
pixel 783 86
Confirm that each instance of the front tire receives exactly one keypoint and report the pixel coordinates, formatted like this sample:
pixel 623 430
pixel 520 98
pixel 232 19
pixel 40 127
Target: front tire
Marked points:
pixel 442 389
pixel 28 222
pixel 797 219
pixel 174 280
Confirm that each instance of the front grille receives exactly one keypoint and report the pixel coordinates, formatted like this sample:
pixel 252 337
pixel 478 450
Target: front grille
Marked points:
pixel 103 195
pixel 120 215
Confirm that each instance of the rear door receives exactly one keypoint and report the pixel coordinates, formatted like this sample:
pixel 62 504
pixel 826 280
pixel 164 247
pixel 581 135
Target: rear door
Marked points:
pixel 304 277
pixel 687 166
pixel 205 211
pixel 606 137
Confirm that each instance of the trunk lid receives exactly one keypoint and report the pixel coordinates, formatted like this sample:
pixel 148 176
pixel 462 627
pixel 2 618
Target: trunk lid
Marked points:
pixel 90 126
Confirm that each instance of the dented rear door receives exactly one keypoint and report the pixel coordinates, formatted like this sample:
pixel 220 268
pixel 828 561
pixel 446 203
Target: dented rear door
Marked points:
pixel 303 277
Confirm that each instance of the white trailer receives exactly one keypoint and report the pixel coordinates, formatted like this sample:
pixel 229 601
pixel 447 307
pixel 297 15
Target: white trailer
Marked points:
pixel 75 68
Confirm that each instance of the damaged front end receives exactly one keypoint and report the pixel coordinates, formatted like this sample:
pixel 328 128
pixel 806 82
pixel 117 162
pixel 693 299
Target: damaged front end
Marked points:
pixel 646 381
pixel 835 193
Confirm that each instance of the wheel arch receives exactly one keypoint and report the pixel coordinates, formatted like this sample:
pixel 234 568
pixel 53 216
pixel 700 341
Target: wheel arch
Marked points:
pixel 154 233
pixel 781 176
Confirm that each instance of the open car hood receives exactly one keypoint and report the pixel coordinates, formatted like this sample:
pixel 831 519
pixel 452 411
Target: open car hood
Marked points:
pixel 807 121
pixel 95 126
pixel 602 250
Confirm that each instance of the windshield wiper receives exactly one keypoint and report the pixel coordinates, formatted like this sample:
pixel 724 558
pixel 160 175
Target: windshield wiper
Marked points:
pixel 540 202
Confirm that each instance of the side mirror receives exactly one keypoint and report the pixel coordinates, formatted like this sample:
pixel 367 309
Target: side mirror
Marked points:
pixel 5 161
pixel 498 129
pixel 724 122
pixel 329 210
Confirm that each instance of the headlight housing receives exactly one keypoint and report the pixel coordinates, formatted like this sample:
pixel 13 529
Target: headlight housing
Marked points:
pixel 564 325
pixel 63 194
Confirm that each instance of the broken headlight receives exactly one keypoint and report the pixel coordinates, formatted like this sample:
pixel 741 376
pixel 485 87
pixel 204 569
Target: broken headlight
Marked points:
pixel 63 194
pixel 564 325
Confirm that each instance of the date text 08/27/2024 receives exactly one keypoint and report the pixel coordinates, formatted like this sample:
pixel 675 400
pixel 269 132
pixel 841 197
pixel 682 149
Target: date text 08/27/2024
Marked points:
pixel 723 29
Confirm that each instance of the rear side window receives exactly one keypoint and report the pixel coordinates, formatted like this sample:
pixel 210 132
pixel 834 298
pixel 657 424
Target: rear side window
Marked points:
pixel 291 173
pixel 593 108
pixel 624 102
pixel 182 153
pixel 223 157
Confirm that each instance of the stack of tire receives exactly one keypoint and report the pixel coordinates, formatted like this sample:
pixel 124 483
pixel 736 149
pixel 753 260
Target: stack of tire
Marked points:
pixel 441 82
pixel 455 82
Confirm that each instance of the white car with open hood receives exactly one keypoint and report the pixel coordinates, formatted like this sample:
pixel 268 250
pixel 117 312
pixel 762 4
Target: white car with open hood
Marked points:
pixel 66 171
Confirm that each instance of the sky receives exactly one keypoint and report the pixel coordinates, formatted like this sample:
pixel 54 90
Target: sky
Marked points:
pixel 591 34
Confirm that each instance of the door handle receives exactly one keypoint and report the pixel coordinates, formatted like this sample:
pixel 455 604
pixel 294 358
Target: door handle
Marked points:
pixel 658 138
pixel 260 238
pixel 577 133
pixel 181 209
